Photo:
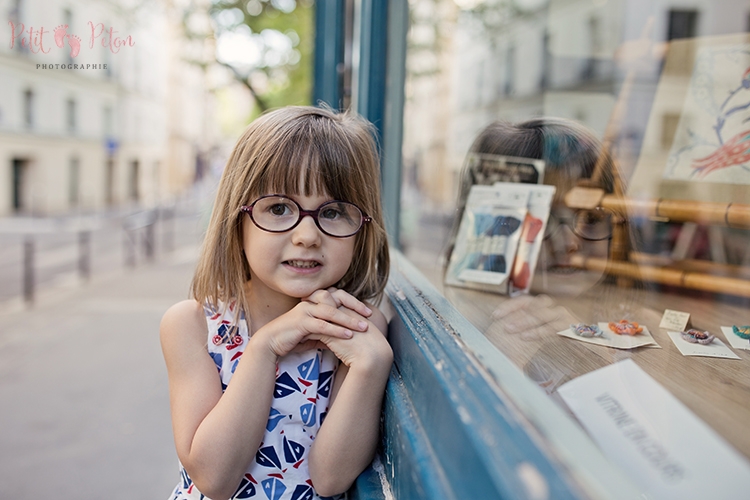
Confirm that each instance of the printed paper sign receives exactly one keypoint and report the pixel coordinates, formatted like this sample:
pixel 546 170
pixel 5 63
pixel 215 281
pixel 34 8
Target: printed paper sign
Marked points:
pixel 674 320
pixel 666 450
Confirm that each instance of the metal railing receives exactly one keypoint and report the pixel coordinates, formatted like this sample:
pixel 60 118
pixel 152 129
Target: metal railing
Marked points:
pixel 46 252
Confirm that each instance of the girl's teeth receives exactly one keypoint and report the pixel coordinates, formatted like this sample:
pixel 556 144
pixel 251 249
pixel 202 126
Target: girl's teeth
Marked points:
pixel 302 263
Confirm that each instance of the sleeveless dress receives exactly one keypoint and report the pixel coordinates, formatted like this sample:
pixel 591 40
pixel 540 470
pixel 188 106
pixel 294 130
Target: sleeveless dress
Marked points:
pixel 299 406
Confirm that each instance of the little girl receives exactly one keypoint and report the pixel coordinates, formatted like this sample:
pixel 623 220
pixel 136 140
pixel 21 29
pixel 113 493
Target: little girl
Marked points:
pixel 277 368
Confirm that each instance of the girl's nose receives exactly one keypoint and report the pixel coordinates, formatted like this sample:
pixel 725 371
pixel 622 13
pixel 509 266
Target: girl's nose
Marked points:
pixel 306 233
pixel 564 242
pixel 570 241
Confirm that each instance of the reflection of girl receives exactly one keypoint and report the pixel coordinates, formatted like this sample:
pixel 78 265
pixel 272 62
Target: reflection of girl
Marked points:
pixel 573 156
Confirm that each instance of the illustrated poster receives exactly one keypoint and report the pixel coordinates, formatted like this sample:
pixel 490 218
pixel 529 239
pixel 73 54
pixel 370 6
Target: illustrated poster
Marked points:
pixel 712 140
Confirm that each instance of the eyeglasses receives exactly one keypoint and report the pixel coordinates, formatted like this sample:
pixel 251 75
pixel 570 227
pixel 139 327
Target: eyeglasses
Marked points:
pixel 276 214
pixel 590 225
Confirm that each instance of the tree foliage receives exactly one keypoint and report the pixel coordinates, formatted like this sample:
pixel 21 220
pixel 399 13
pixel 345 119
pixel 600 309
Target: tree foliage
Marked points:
pixel 266 44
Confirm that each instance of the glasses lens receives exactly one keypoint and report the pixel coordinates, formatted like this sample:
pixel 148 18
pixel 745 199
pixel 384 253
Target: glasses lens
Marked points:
pixel 339 218
pixel 275 213
pixel 593 224
pixel 553 223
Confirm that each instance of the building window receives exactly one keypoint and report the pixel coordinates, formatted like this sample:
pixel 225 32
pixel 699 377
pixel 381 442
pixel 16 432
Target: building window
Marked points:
pixel 74 182
pixel 19 184
pixel 589 69
pixel 133 181
pixel 68 20
pixel 15 16
pixel 108 123
pixel 28 108
pixel 510 67
pixel 109 181
pixel 544 80
pixel 682 24
pixel 71 115
pixel 669 123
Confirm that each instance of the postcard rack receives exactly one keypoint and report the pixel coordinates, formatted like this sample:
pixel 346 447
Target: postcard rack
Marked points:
pixel 627 264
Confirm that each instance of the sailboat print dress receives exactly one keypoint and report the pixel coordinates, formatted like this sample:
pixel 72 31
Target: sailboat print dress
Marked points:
pixel 300 402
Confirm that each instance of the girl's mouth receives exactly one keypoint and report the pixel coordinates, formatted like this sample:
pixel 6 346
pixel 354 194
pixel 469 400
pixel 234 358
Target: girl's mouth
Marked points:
pixel 303 264
pixel 563 269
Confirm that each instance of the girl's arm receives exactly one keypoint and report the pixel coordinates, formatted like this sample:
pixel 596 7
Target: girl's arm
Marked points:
pixel 347 440
pixel 217 436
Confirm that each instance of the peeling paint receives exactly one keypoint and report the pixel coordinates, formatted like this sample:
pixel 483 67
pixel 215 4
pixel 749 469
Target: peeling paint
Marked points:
pixel 533 481
pixel 464 414
pixel 377 466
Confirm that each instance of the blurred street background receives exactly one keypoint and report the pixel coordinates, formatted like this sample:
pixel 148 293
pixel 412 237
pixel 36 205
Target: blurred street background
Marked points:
pixel 85 408
pixel 116 119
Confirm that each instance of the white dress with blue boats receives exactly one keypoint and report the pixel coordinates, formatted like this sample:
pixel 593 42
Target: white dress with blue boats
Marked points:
pixel 299 406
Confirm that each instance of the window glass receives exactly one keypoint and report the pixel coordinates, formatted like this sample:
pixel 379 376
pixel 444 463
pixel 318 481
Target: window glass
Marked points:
pixel 640 111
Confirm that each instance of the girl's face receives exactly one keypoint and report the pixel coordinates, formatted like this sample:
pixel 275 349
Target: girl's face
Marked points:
pixel 555 275
pixel 297 262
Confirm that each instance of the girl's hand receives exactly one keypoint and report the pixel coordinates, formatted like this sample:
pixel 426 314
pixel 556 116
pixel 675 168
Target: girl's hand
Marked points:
pixel 305 324
pixel 366 349
pixel 338 298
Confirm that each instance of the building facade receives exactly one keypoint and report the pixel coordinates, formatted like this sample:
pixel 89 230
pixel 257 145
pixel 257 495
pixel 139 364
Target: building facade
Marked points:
pixel 99 107
pixel 471 62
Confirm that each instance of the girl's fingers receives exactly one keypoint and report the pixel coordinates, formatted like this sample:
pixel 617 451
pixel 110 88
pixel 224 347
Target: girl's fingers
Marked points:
pixel 322 297
pixel 338 317
pixel 323 328
pixel 347 300
pixel 335 297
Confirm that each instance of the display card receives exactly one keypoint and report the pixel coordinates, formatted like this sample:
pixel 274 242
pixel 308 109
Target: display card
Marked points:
pixel 734 340
pixel 716 349
pixel 663 447
pixel 609 338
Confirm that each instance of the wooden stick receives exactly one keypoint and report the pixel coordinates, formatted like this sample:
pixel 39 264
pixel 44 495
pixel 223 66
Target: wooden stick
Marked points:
pixel 723 214
pixel 666 276
pixel 691 265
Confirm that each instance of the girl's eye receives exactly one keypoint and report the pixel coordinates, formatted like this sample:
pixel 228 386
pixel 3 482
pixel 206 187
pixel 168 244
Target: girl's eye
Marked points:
pixel 590 218
pixel 279 209
pixel 330 213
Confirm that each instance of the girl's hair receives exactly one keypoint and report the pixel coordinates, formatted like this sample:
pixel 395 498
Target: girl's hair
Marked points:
pixel 570 151
pixel 296 150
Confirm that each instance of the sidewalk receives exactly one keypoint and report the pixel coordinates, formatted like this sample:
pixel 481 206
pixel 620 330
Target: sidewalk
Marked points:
pixel 84 408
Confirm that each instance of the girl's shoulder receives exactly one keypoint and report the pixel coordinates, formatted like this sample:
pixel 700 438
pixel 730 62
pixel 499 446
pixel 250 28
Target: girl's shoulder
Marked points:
pixel 183 323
